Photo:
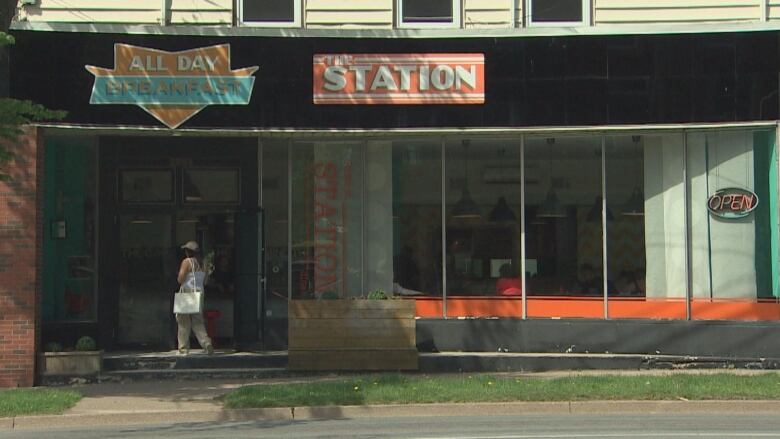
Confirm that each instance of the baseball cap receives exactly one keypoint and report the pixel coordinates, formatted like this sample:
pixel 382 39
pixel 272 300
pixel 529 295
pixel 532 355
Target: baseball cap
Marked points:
pixel 191 245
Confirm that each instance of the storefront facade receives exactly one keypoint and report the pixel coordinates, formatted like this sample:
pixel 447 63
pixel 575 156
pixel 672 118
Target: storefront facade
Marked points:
pixel 621 180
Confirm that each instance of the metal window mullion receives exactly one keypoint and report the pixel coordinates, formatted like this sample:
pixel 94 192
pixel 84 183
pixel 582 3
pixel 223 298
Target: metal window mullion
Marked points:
pixel 289 219
pixel 604 267
pixel 260 238
pixel 96 231
pixel 363 217
pixel 686 235
pixel 522 227
pixel 443 229
pixel 777 165
pixel 777 180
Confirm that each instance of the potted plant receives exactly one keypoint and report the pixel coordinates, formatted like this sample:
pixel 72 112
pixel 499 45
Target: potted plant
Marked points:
pixel 373 332
pixel 84 359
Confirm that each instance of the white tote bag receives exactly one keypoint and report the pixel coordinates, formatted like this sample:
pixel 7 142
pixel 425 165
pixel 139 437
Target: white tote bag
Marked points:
pixel 187 300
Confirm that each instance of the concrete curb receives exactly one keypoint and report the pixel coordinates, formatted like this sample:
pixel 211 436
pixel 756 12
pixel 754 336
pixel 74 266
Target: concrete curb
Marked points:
pixel 344 412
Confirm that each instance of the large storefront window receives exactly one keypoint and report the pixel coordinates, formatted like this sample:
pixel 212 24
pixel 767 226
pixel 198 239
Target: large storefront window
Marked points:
pixel 327 220
pixel 646 229
pixel 564 248
pixel 733 259
pixel 482 224
pixel 402 220
pixel 615 226
pixel 69 279
pixel 275 167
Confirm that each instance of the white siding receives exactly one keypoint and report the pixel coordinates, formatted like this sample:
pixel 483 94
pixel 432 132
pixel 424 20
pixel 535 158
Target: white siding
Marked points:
pixel 133 11
pixel 675 11
pixel 363 14
pixel 380 14
pixel 488 13
pixel 201 12
pixel 94 11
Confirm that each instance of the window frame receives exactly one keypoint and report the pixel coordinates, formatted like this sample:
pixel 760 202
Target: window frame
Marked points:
pixel 183 197
pixel 586 16
pixel 119 196
pixel 455 23
pixel 296 22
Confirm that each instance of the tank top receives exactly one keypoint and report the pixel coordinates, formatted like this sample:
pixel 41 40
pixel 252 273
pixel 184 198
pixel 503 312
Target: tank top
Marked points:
pixel 195 277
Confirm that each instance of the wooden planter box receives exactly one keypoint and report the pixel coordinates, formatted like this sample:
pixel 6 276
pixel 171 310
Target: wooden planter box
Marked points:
pixel 70 363
pixel 352 335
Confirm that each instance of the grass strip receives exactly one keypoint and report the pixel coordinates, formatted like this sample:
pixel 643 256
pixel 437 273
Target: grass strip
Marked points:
pixel 410 389
pixel 16 402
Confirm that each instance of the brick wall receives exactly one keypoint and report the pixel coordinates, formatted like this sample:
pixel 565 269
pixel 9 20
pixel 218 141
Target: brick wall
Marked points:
pixel 20 262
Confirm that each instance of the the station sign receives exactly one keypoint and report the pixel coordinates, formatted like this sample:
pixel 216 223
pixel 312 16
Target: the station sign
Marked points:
pixel 171 86
pixel 399 79
pixel 732 203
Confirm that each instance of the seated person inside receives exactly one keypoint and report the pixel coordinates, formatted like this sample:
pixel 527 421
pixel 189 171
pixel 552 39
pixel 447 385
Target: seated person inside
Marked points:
pixel 509 283
pixel 631 283
pixel 591 284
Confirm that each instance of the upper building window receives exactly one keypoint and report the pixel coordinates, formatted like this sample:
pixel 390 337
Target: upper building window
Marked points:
pixel 272 13
pixel 428 13
pixel 557 12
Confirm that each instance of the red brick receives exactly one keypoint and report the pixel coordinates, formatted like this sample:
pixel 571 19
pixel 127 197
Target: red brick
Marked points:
pixel 20 261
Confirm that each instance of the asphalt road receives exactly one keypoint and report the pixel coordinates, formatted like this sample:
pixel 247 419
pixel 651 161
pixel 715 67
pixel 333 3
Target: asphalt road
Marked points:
pixel 716 425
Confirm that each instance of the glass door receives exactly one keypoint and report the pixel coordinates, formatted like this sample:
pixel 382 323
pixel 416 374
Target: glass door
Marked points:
pixel 214 231
pixel 147 280
pixel 249 278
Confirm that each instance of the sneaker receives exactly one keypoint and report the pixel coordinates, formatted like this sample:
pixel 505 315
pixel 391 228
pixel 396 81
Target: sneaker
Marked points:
pixel 183 352
pixel 209 350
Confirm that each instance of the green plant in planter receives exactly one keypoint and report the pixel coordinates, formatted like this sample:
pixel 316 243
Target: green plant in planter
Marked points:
pixel 53 346
pixel 377 295
pixel 86 343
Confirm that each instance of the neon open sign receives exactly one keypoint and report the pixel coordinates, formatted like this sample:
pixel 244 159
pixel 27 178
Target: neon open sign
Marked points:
pixel 732 203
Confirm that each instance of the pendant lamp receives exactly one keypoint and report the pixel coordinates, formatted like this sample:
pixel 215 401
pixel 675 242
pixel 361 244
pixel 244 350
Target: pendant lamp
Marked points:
pixel 551 207
pixel 595 212
pixel 502 212
pixel 466 207
pixel 635 206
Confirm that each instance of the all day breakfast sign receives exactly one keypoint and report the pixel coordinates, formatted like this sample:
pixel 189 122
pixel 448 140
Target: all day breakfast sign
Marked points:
pixel 172 86
pixel 432 78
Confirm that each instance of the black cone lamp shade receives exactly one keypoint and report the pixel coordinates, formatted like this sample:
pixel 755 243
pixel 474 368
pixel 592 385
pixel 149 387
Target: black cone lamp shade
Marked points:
pixel 502 212
pixel 466 207
pixel 635 206
pixel 551 208
pixel 595 212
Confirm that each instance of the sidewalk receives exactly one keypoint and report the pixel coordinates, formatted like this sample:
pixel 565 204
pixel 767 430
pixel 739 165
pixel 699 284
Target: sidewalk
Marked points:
pixel 167 402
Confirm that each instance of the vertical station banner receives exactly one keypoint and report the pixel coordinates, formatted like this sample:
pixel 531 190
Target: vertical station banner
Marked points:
pixel 399 79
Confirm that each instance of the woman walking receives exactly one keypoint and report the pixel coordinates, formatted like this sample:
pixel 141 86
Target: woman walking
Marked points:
pixel 191 278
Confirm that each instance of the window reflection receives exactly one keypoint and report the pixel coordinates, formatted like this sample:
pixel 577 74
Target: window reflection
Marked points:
pixel 483 226
pixel 625 189
pixel 69 270
pixel 416 215
pixel 563 216
pixel 327 220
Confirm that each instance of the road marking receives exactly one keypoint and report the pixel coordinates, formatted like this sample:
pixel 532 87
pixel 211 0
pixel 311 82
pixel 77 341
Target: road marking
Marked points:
pixel 621 435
